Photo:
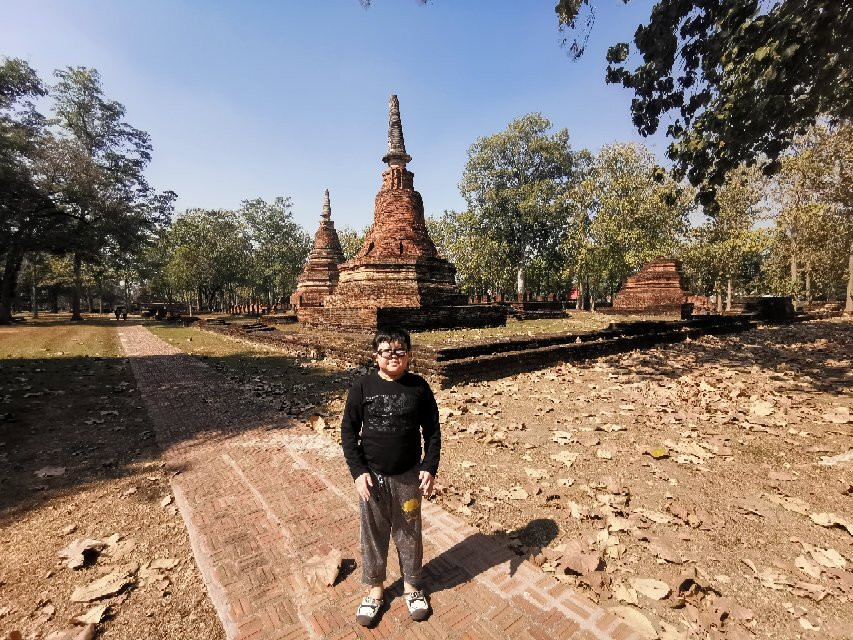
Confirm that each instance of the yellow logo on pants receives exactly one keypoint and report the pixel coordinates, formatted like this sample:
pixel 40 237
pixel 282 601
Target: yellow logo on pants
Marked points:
pixel 411 507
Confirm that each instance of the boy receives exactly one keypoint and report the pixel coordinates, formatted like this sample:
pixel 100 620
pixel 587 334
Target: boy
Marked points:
pixel 387 413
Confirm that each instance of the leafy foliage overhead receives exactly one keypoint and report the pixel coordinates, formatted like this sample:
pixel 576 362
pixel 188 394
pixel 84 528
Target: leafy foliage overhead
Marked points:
pixel 737 79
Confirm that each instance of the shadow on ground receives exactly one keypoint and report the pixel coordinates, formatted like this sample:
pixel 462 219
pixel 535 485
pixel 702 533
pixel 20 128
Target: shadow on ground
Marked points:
pixel 69 422
pixel 480 552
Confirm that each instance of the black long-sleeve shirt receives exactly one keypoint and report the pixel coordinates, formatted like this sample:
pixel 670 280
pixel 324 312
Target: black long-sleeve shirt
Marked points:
pixel 383 423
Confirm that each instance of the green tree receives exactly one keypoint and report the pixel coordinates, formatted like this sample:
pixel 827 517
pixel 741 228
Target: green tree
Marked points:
pixel 625 212
pixel 209 254
pixel 515 184
pixel 725 247
pixel 481 263
pixel 98 168
pixel 352 240
pixel 279 246
pixel 813 235
pixel 736 80
pixel 29 219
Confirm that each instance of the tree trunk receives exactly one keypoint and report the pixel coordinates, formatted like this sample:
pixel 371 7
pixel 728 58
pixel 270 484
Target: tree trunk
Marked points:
pixel 89 302
pixel 848 304
pixel 795 286
pixel 521 283
pixel 729 294
pixel 9 283
pixel 35 297
pixel 101 297
pixel 808 283
pixel 77 292
pixel 718 293
pixel 579 305
pixel 54 300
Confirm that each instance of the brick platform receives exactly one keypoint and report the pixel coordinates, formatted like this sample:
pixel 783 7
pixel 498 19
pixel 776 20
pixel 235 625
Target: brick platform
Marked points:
pixel 260 495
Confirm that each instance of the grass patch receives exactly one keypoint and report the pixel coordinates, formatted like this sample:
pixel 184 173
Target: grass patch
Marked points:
pixel 296 383
pixel 55 336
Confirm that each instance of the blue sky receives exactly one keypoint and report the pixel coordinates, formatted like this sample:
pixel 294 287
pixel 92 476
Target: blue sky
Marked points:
pixel 260 99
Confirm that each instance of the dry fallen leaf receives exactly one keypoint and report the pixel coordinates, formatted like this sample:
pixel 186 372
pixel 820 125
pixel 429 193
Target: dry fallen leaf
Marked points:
pixel 658 453
pixel 322 571
pixel 828 557
pixel 317 423
pixel 664 549
pixel 79 552
pixel 566 457
pixel 807 566
pixel 108 585
pixel 654 516
pixel 788 503
pixel 832 520
pixel 75 633
pixel 562 437
pixel 625 594
pixel 651 588
pixel 772 579
pixel 840 415
pixel 808 590
pixel 841 458
pixel 163 563
pixel 762 408
pixel 94 615
pixel 637 621
pixel 579 559
pixel 49 472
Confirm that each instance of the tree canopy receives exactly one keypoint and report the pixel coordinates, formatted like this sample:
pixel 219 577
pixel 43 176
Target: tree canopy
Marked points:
pixel 736 80
pixel 515 183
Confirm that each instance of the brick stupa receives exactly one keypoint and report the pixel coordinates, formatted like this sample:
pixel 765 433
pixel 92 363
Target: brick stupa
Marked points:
pixel 657 289
pixel 320 275
pixel 398 277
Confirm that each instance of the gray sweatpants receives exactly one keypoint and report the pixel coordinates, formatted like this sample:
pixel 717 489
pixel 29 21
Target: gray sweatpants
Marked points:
pixel 394 509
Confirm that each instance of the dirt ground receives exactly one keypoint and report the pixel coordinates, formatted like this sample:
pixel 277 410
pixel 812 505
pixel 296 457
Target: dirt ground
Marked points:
pixel 705 486
pixel 78 461
pixel 725 461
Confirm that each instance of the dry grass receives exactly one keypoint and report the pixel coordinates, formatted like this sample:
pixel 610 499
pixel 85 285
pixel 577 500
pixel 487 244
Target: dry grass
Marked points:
pixel 577 322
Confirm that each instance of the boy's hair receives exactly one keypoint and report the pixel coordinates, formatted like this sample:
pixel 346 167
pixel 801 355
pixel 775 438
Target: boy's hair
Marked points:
pixel 391 335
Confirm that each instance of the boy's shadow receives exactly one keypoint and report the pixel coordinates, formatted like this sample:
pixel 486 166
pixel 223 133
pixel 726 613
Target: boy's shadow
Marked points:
pixel 479 553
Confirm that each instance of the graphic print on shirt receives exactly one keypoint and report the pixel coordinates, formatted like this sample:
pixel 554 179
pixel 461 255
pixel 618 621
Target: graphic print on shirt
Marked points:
pixel 389 413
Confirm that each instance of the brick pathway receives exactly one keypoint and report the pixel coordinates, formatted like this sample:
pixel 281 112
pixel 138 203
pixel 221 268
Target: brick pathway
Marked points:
pixel 260 495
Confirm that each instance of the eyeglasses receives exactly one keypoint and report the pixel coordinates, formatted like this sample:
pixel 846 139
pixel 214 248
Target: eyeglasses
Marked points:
pixel 387 353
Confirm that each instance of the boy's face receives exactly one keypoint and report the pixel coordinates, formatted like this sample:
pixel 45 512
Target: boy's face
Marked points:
pixel 392 359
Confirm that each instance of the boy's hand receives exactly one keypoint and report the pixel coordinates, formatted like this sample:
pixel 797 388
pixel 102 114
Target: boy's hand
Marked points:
pixel 362 486
pixel 427 482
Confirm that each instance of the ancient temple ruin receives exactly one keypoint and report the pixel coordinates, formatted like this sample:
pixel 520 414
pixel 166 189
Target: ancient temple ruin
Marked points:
pixel 657 289
pixel 320 275
pixel 398 277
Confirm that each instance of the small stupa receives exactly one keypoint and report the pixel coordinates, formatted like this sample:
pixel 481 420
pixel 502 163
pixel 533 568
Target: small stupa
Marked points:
pixel 658 288
pixel 320 275
pixel 398 276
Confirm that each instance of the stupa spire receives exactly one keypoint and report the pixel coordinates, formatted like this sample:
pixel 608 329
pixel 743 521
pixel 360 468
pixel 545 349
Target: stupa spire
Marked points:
pixel 396 145
pixel 327 207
